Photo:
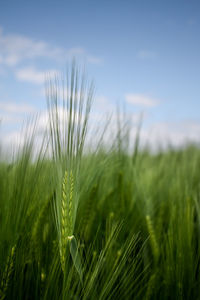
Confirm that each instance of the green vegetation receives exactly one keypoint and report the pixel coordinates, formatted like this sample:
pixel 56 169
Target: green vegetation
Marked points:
pixel 101 225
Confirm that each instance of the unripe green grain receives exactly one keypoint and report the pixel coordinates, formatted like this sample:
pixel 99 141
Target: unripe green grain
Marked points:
pixel 153 240
pixel 7 273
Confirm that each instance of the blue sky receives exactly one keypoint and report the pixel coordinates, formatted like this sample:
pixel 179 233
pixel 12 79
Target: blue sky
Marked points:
pixel 144 54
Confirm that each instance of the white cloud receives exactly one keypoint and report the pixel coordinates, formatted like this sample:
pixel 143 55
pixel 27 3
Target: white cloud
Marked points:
pixel 14 113
pixel 176 134
pixel 103 105
pixel 94 60
pixel 76 51
pixel 13 138
pixel 160 134
pixel 11 60
pixel 15 49
pixel 11 119
pixel 13 107
pixel 31 74
pixel 146 54
pixel 141 100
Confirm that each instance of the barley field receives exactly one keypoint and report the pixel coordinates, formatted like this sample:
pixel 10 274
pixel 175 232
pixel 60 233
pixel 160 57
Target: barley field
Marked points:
pixel 101 224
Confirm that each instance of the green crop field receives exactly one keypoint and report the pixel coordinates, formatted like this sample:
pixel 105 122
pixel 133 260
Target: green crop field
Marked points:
pixel 101 224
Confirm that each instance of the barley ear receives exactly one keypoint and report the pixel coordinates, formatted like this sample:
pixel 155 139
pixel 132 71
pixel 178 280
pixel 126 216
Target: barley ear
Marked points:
pixel 151 286
pixel 64 223
pixel 7 273
pixel 153 241
pixel 71 203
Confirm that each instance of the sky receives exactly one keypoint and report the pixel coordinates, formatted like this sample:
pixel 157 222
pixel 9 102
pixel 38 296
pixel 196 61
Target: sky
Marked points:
pixel 142 55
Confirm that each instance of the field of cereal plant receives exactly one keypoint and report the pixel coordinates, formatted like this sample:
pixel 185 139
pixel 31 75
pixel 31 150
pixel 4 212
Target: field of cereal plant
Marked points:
pixel 104 224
